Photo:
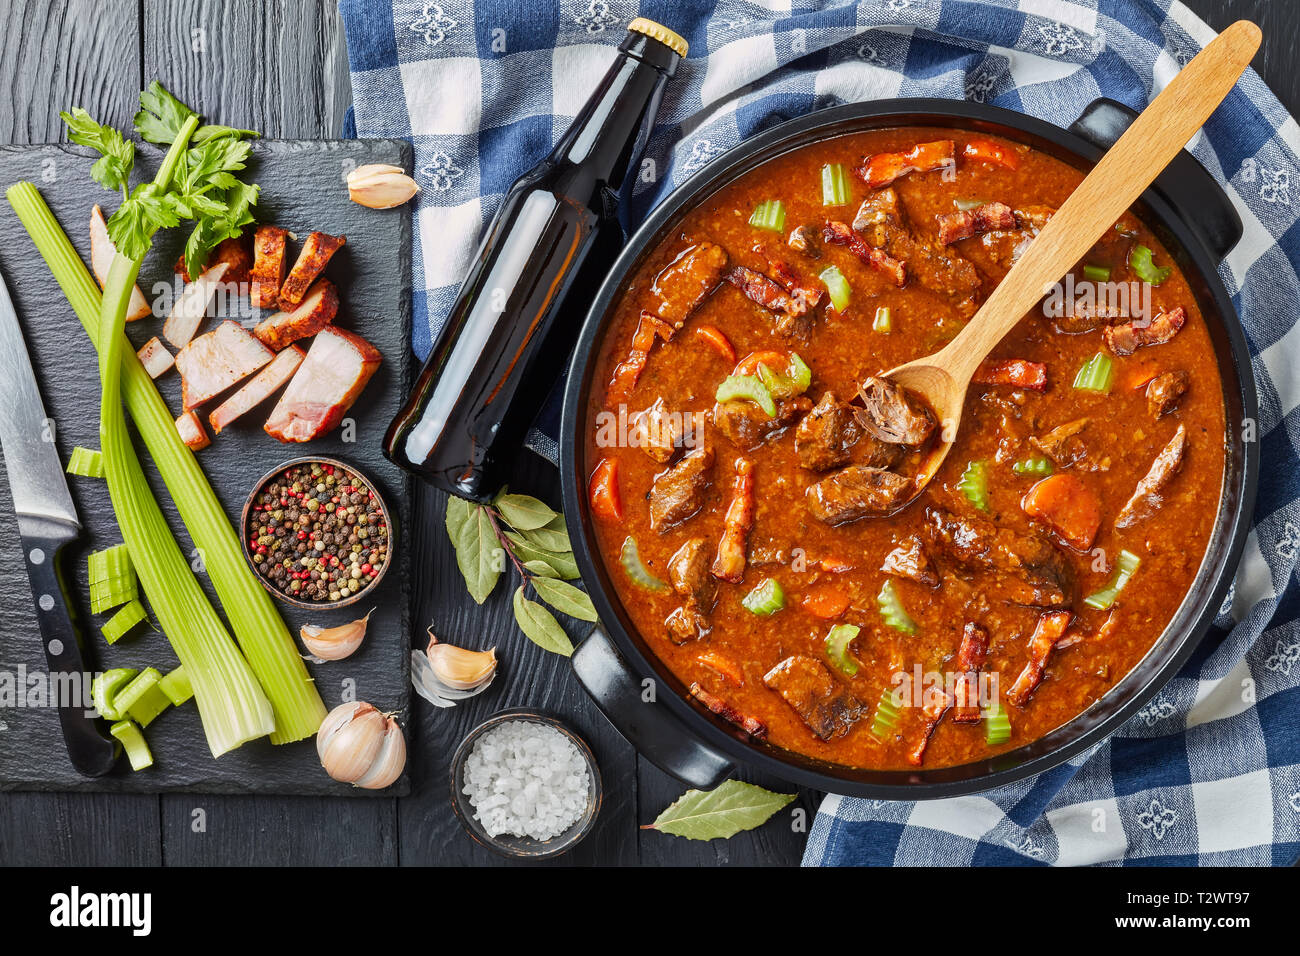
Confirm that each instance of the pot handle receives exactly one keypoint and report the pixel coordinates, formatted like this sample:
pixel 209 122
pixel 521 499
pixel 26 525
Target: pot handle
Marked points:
pixel 654 731
pixel 1185 183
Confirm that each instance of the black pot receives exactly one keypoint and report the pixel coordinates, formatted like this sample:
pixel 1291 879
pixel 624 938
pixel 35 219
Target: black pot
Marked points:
pixel 1196 222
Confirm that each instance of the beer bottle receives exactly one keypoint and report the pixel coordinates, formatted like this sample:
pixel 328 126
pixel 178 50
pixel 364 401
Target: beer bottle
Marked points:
pixel 513 325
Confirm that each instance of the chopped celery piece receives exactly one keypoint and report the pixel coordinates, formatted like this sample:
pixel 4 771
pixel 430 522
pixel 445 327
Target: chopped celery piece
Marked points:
pixel 132 741
pixel 886 719
pixel 766 599
pixel 152 703
pixel 769 215
pixel 137 689
pixel 997 725
pixel 176 685
pixel 1096 273
pixel 1096 374
pixel 1125 567
pixel 86 463
pixel 835 185
pixel 233 705
pixel 974 484
pixel 794 380
pixel 1034 465
pixel 837 287
pixel 884 321
pixel 128 617
pixel 104 690
pixel 630 558
pixel 837 647
pixel 746 388
pixel 112 579
pixel 1140 261
pixel 892 610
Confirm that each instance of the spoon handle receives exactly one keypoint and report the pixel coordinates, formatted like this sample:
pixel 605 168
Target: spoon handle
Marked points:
pixel 1114 184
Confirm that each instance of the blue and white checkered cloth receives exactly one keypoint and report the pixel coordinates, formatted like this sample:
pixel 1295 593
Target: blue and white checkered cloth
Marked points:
pixel 1209 771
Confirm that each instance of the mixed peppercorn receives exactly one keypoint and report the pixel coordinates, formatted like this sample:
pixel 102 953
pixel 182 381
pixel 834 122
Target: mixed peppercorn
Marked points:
pixel 317 532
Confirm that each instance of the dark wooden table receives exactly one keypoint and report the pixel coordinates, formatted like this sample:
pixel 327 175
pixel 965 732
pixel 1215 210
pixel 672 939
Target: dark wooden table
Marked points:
pixel 280 66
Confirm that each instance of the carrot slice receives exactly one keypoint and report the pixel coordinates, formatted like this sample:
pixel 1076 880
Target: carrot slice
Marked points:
pixel 835 565
pixel 775 361
pixel 1067 506
pixel 606 501
pixel 825 601
pixel 724 666
pixel 716 338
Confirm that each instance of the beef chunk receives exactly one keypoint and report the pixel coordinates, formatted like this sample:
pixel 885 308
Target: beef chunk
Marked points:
pixel 973 222
pixel 806 239
pixel 750 725
pixel 909 560
pixel 840 234
pixel 1165 391
pixel 882 223
pixel 1028 568
pixel 1062 443
pixel 688 572
pixel 658 431
pixel 806 685
pixel 1149 494
pixel 686 624
pixel 856 492
pixel 679 492
pixel 687 280
pixel 891 415
pixel 827 434
pixel 1128 338
pixel 747 426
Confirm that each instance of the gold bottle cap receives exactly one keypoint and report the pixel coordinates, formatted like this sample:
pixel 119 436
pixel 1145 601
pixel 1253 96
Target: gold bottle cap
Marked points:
pixel 661 33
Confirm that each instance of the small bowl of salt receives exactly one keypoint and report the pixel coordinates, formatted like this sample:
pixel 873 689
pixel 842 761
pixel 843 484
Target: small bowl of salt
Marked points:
pixel 525 785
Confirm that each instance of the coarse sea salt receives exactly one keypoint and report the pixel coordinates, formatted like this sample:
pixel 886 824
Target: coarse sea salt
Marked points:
pixel 526 779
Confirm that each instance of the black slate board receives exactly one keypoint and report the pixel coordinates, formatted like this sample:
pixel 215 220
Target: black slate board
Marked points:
pixel 302 189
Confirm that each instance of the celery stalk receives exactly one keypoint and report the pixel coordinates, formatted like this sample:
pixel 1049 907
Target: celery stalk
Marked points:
pixel 298 709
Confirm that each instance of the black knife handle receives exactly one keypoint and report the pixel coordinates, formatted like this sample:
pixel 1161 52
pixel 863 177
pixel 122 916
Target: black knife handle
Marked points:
pixel 91 752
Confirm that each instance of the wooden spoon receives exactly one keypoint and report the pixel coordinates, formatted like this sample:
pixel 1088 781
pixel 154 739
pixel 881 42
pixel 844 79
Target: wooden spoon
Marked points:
pixel 1114 184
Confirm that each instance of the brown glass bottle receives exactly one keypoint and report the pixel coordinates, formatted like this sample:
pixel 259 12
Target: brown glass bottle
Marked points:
pixel 513 325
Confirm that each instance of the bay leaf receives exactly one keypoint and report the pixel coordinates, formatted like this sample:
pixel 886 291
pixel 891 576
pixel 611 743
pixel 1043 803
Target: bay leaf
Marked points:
pixel 524 513
pixel 549 539
pixel 564 564
pixel 720 813
pixel 566 598
pixel 478 552
pixel 541 569
pixel 540 625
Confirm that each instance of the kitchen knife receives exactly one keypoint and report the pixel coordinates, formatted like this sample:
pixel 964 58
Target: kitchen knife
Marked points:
pixel 47 521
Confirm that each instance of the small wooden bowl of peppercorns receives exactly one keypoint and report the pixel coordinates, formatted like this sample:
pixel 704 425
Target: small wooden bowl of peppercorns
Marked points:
pixel 316 533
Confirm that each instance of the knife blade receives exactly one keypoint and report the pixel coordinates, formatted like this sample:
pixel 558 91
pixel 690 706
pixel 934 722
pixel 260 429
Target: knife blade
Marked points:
pixel 47 522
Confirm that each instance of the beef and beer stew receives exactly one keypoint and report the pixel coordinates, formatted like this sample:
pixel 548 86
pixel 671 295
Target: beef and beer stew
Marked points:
pixel 751 473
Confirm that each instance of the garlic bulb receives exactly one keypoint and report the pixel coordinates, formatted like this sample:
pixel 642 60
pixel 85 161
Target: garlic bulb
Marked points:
pixel 359 745
pixel 446 673
pixel 334 643
pixel 380 186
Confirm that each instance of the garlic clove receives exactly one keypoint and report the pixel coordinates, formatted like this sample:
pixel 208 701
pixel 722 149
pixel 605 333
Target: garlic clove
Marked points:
pixel 332 724
pixel 461 669
pixel 388 763
pixel 380 186
pixel 334 643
